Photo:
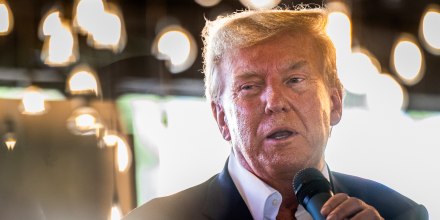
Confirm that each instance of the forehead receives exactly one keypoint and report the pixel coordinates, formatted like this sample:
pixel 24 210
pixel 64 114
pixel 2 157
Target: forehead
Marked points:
pixel 280 51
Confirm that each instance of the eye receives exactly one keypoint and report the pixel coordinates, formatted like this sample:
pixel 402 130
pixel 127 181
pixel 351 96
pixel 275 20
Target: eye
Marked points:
pixel 295 80
pixel 247 87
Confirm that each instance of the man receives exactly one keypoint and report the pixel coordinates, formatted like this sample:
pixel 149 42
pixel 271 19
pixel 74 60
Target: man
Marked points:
pixel 271 79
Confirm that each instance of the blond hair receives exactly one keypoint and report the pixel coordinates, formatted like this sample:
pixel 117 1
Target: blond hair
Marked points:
pixel 247 28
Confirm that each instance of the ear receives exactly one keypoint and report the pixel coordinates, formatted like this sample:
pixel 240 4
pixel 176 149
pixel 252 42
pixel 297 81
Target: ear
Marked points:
pixel 336 106
pixel 219 115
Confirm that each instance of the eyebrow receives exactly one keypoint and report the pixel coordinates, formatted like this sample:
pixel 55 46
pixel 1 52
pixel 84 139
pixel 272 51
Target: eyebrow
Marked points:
pixel 294 65
pixel 297 65
pixel 246 75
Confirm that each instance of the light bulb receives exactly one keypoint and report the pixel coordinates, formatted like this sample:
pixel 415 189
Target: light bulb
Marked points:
pixel 110 139
pixel 260 4
pixel 357 72
pixel 83 81
pixel 85 14
pixel 177 46
pixel 168 43
pixel 84 121
pixel 123 155
pixel 207 3
pixel 10 140
pixel 51 23
pixel 6 18
pixel 60 49
pixel 428 29
pixel 115 212
pixel 387 95
pixel 339 30
pixel 407 60
pixel 109 32
pixel 33 101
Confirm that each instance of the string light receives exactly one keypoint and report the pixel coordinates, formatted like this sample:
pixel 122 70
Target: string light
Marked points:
pixel 50 24
pixel 109 31
pixel 84 121
pixel 33 101
pixel 85 12
pixel 207 3
pixel 339 28
pixel 357 71
pixel 83 80
pixel 123 154
pixel 115 212
pixel 177 46
pixel 110 138
pixel 260 4
pixel 10 140
pixel 102 22
pixel 60 47
pixel 407 60
pixel 429 32
pixel 6 18
pixel 386 95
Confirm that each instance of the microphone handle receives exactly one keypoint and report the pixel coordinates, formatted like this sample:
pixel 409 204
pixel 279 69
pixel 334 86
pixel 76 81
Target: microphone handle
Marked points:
pixel 315 204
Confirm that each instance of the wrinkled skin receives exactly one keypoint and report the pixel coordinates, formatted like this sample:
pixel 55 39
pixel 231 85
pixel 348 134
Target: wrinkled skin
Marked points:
pixel 276 109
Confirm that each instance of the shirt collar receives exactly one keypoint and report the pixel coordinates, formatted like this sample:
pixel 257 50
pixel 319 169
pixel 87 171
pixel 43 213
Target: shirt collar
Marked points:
pixel 262 200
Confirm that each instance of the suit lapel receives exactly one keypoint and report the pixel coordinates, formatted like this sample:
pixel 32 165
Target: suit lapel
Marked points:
pixel 223 200
pixel 333 182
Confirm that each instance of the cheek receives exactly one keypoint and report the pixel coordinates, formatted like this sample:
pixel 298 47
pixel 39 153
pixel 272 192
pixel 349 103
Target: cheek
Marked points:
pixel 316 116
pixel 320 106
pixel 243 121
pixel 244 124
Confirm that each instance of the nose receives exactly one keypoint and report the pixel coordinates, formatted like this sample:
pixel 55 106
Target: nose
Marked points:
pixel 276 100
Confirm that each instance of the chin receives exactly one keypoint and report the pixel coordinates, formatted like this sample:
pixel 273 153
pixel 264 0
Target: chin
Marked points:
pixel 298 162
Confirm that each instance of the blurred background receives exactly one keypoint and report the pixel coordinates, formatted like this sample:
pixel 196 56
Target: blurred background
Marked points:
pixel 102 105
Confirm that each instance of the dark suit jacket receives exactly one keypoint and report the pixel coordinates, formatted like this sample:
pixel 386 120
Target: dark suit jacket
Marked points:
pixel 218 198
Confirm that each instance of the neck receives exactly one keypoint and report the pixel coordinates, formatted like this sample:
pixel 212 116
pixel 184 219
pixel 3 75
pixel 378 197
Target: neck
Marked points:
pixel 289 203
pixel 286 191
pixel 287 209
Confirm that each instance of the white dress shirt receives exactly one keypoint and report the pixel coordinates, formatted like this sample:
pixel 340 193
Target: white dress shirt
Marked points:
pixel 262 200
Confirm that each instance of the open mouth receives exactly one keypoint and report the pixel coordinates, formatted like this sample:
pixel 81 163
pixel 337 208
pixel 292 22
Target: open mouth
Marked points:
pixel 279 135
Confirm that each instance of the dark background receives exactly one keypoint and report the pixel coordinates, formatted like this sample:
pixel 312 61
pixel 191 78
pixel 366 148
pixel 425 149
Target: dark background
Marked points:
pixel 54 174
pixel 68 177
pixel 376 25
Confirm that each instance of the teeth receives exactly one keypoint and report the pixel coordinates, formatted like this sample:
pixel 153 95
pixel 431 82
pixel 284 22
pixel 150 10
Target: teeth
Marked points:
pixel 280 135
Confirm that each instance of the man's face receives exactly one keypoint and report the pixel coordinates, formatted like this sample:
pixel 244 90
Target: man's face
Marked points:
pixel 275 107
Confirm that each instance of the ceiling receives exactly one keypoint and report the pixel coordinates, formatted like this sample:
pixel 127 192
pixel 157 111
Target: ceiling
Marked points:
pixel 376 24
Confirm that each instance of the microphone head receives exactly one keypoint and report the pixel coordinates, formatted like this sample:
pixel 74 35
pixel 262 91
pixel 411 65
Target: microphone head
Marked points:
pixel 309 182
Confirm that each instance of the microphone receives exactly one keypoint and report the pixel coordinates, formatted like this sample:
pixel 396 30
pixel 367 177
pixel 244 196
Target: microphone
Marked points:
pixel 312 190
